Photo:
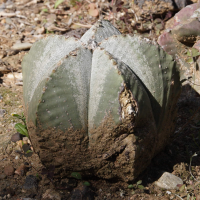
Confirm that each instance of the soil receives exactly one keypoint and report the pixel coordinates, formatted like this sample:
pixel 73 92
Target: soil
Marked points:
pixel 24 22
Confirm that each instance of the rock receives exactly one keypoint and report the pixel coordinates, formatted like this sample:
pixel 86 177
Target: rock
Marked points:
pixel 21 170
pixel 9 170
pixel 168 181
pixel 2 113
pixel 160 3
pixel 181 3
pixel 21 46
pixel 19 144
pixel 51 194
pixel 2 54
pixel 30 182
pixel 40 30
pixel 77 33
pixel 2 176
pixel 143 8
pixel 16 137
pixel 82 192
pixel 13 78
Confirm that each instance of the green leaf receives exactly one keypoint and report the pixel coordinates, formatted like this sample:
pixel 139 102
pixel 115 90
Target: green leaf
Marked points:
pixel 16 115
pixel 139 182
pixel 159 27
pixel 76 175
pixel 21 129
pixel 188 196
pixel 58 2
pixel 189 60
pixel 182 188
pixel 130 186
pixel 45 10
pixel 29 151
pixel 28 154
pixel 86 183
pixel 73 2
pixel 193 52
pixel 188 53
pixel 141 187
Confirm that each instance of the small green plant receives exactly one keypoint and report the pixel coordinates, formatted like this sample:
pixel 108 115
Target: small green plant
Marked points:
pixel 22 117
pixel 74 2
pixel 78 176
pixel 44 10
pixel 21 128
pixel 27 151
pixel 138 185
pixel 49 32
pixel 58 2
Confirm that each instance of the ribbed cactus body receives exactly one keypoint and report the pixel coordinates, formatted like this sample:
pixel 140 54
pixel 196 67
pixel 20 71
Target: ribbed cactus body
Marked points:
pixel 100 103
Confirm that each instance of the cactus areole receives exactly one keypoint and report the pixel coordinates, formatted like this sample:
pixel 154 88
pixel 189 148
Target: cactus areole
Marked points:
pixel 103 105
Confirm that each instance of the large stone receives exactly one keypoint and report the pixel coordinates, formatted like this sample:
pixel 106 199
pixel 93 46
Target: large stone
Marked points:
pixel 168 181
pixel 145 8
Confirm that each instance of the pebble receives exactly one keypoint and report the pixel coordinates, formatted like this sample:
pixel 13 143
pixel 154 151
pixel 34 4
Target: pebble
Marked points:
pixel 16 157
pixel 168 181
pixel 9 170
pixel 2 176
pixel 51 194
pixel 2 113
pixel 21 170
pixel 82 192
pixel 30 182
pixel 40 30
pixel 16 137
pixel 21 46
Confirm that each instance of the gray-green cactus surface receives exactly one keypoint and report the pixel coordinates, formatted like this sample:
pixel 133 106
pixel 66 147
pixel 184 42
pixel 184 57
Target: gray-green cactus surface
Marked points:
pixel 103 105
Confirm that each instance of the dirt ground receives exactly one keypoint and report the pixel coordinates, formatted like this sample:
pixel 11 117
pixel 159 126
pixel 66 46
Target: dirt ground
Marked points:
pixel 22 22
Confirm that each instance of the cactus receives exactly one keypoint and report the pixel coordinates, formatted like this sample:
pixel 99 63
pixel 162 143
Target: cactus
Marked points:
pixel 180 42
pixel 103 105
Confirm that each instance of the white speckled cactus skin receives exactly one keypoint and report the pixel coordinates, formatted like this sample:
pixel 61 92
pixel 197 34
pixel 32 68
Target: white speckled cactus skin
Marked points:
pixel 103 105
